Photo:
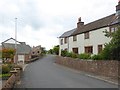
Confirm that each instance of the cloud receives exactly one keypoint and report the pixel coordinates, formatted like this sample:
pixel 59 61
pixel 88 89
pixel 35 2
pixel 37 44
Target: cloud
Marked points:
pixel 42 21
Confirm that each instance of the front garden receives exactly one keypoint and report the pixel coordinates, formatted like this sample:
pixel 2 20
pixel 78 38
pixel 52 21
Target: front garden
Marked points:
pixel 6 68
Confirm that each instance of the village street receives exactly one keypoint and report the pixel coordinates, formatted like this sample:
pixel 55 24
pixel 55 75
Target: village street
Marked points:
pixel 44 73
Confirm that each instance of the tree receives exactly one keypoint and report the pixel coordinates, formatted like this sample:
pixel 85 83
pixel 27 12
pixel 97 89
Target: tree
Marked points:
pixel 112 49
pixel 43 50
pixel 8 53
pixel 56 50
pixel 50 51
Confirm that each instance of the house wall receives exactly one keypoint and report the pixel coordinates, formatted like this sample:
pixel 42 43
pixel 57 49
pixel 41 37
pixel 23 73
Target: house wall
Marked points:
pixel 96 37
pixel 64 46
pixel 27 57
pixel 36 50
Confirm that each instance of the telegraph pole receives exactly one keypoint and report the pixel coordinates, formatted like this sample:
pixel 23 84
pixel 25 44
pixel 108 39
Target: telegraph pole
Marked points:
pixel 15 60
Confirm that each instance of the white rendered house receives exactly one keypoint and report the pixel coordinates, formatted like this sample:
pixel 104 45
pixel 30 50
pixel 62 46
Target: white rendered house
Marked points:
pixel 90 38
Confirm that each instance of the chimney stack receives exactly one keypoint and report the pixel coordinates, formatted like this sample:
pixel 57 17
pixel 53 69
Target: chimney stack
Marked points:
pixel 80 24
pixel 118 11
pixel 118 6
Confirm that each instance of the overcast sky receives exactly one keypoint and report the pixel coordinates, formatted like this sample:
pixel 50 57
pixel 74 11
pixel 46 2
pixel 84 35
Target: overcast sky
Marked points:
pixel 40 22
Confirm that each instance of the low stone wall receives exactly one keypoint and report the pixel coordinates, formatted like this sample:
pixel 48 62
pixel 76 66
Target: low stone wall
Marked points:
pixel 101 67
pixel 14 78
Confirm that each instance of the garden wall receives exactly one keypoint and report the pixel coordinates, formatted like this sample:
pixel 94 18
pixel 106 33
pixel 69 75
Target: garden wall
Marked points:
pixel 14 78
pixel 101 67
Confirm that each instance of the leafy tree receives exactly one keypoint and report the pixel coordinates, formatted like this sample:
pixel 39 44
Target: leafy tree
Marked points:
pixel 50 51
pixel 8 53
pixel 56 50
pixel 43 50
pixel 112 49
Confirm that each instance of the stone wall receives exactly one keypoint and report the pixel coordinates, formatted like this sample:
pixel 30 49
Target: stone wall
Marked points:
pixel 101 67
pixel 14 78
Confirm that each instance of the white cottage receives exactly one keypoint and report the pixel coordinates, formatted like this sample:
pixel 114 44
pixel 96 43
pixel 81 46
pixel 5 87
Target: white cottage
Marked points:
pixel 90 38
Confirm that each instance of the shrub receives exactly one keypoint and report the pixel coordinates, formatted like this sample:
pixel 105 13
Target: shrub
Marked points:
pixel 69 54
pixel 112 49
pixel 84 56
pixel 64 53
pixel 5 69
pixel 10 66
pixel 5 75
pixel 74 55
pixel 97 57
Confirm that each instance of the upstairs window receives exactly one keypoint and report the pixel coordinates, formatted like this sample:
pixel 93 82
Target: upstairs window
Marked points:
pixel 65 40
pixel 75 38
pixel 61 41
pixel 113 29
pixel 86 35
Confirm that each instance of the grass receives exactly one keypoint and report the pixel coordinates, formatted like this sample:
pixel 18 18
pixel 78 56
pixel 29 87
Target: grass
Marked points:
pixel 5 75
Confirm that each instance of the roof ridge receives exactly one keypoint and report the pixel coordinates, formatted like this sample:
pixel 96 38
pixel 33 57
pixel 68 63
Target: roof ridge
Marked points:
pixel 10 39
pixel 100 19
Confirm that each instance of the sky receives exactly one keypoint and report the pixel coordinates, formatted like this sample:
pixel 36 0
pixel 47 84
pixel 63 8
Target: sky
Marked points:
pixel 41 22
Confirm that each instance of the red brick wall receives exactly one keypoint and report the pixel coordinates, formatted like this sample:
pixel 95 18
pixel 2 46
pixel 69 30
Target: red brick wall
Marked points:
pixel 101 67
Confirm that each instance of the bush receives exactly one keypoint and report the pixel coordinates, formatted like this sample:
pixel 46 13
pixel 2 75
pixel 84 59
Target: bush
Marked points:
pixel 5 75
pixel 97 57
pixel 74 55
pixel 84 56
pixel 64 53
pixel 69 54
pixel 5 69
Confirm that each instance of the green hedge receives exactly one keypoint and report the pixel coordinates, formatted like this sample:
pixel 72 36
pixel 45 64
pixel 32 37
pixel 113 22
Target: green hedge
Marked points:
pixel 84 56
pixel 96 57
pixel 64 53
pixel 5 75
pixel 5 69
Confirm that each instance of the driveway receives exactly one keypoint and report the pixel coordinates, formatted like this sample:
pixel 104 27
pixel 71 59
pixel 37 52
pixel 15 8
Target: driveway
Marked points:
pixel 44 73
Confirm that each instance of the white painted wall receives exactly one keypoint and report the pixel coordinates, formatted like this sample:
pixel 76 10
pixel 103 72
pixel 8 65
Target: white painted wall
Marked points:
pixel 21 58
pixel 64 46
pixel 97 37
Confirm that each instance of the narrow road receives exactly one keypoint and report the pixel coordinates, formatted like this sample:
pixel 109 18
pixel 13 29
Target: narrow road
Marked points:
pixel 44 73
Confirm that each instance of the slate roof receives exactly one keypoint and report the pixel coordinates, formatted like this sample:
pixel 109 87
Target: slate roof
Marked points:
pixel 67 34
pixel 106 21
pixel 22 48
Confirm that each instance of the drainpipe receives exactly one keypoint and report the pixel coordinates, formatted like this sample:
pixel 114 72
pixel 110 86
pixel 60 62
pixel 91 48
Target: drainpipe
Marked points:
pixel 15 60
